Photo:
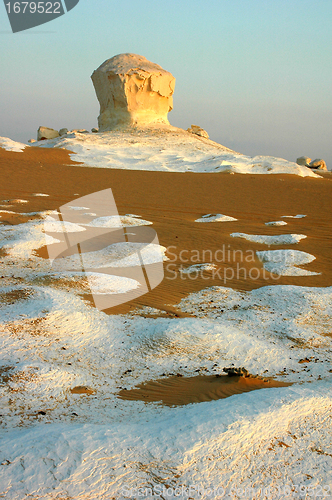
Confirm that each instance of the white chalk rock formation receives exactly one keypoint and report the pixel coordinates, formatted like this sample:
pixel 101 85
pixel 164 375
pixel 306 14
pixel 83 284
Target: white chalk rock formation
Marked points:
pixel 132 91
pixel 195 129
pixel 319 164
pixel 304 161
pixel 63 131
pixel 45 133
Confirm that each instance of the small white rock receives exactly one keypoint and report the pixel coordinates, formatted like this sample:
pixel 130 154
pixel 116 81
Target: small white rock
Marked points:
pixel 195 129
pixel 45 133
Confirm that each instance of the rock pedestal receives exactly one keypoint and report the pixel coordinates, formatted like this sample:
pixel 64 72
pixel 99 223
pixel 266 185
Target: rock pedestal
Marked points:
pixel 132 91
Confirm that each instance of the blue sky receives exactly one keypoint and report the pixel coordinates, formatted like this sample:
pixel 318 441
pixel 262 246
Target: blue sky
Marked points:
pixel 256 74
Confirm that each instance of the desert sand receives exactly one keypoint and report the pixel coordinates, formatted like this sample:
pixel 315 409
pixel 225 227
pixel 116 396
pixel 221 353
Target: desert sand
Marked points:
pixel 173 201
pixel 183 390
pixel 96 379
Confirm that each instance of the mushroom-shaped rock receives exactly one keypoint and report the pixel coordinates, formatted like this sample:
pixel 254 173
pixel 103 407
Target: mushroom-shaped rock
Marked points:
pixel 132 91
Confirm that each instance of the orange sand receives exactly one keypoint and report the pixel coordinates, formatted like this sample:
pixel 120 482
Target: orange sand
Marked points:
pixel 172 201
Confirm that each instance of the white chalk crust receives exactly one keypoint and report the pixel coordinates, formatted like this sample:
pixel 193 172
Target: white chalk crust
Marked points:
pixel 167 149
pixel 215 218
pixel 285 262
pixel 280 239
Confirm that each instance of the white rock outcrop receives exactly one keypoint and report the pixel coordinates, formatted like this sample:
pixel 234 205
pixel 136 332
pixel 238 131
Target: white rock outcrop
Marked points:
pixel 45 133
pixel 304 161
pixel 319 164
pixel 132 91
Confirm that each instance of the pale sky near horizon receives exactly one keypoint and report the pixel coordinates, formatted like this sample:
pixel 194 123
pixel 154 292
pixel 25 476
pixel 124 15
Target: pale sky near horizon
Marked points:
pixel 256 74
